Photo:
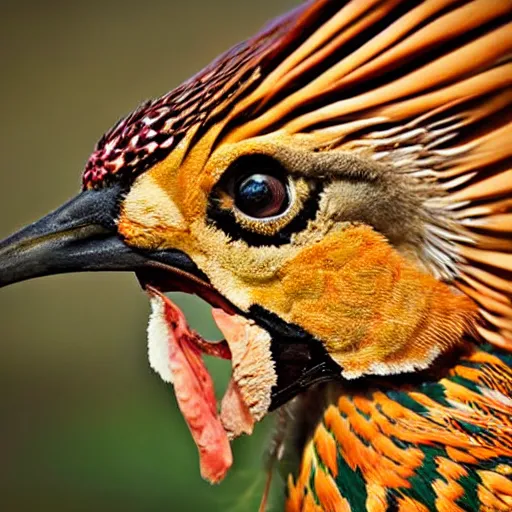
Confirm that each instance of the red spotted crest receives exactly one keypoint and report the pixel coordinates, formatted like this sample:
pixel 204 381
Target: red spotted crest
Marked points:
pixel 152 131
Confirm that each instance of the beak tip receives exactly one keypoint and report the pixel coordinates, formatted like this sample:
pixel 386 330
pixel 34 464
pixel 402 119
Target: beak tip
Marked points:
pixel 78 236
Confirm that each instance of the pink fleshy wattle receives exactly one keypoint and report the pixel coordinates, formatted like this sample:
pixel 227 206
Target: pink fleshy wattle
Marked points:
pixel 195 394
pixel 175 352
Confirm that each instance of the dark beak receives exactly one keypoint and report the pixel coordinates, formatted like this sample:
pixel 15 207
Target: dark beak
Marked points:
pixel 80 236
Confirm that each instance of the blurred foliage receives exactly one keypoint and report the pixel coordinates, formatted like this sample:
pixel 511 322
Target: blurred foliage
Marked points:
pixel 85 424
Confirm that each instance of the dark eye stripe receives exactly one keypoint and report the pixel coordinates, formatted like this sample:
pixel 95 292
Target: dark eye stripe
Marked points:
pixel 224 219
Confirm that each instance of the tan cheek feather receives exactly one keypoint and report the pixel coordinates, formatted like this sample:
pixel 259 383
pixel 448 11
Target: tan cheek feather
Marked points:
pixel 375 312
pixel 149 215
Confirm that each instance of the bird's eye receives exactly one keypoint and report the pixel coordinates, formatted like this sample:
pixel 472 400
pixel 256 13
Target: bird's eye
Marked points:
pixel 256 199
pixel 261 196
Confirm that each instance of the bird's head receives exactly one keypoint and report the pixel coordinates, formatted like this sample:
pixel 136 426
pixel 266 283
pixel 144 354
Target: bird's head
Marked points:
pixel 333 184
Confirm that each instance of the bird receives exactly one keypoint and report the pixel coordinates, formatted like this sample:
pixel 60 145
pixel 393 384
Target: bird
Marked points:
pixel 339 189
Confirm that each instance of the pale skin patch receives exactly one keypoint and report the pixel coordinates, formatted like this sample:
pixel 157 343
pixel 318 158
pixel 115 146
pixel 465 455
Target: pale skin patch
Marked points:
pixel 152 215
pixel 253 367
pixel 149 205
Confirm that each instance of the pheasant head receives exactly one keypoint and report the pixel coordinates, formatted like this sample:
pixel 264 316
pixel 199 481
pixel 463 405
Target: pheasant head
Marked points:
pixel 338 186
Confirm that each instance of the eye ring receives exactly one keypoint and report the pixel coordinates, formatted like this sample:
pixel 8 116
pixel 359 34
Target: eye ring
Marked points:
pixel 227 211
pixel 261 196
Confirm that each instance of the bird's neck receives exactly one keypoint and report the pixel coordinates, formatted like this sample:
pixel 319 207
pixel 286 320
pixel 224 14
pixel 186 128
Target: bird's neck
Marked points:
pixel 442 442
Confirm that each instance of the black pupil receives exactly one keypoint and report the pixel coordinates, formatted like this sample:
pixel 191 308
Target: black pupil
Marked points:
pixel 260 195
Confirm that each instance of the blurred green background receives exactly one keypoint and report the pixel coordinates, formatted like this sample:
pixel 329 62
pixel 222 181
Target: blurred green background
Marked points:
pixel 84 423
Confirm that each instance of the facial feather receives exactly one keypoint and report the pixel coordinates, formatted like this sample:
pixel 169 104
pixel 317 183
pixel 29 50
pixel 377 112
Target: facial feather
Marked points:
pixel 351 276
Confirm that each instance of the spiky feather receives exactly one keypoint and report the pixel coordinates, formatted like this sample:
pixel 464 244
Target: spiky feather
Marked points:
pixel 422 86
pixel 426 88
